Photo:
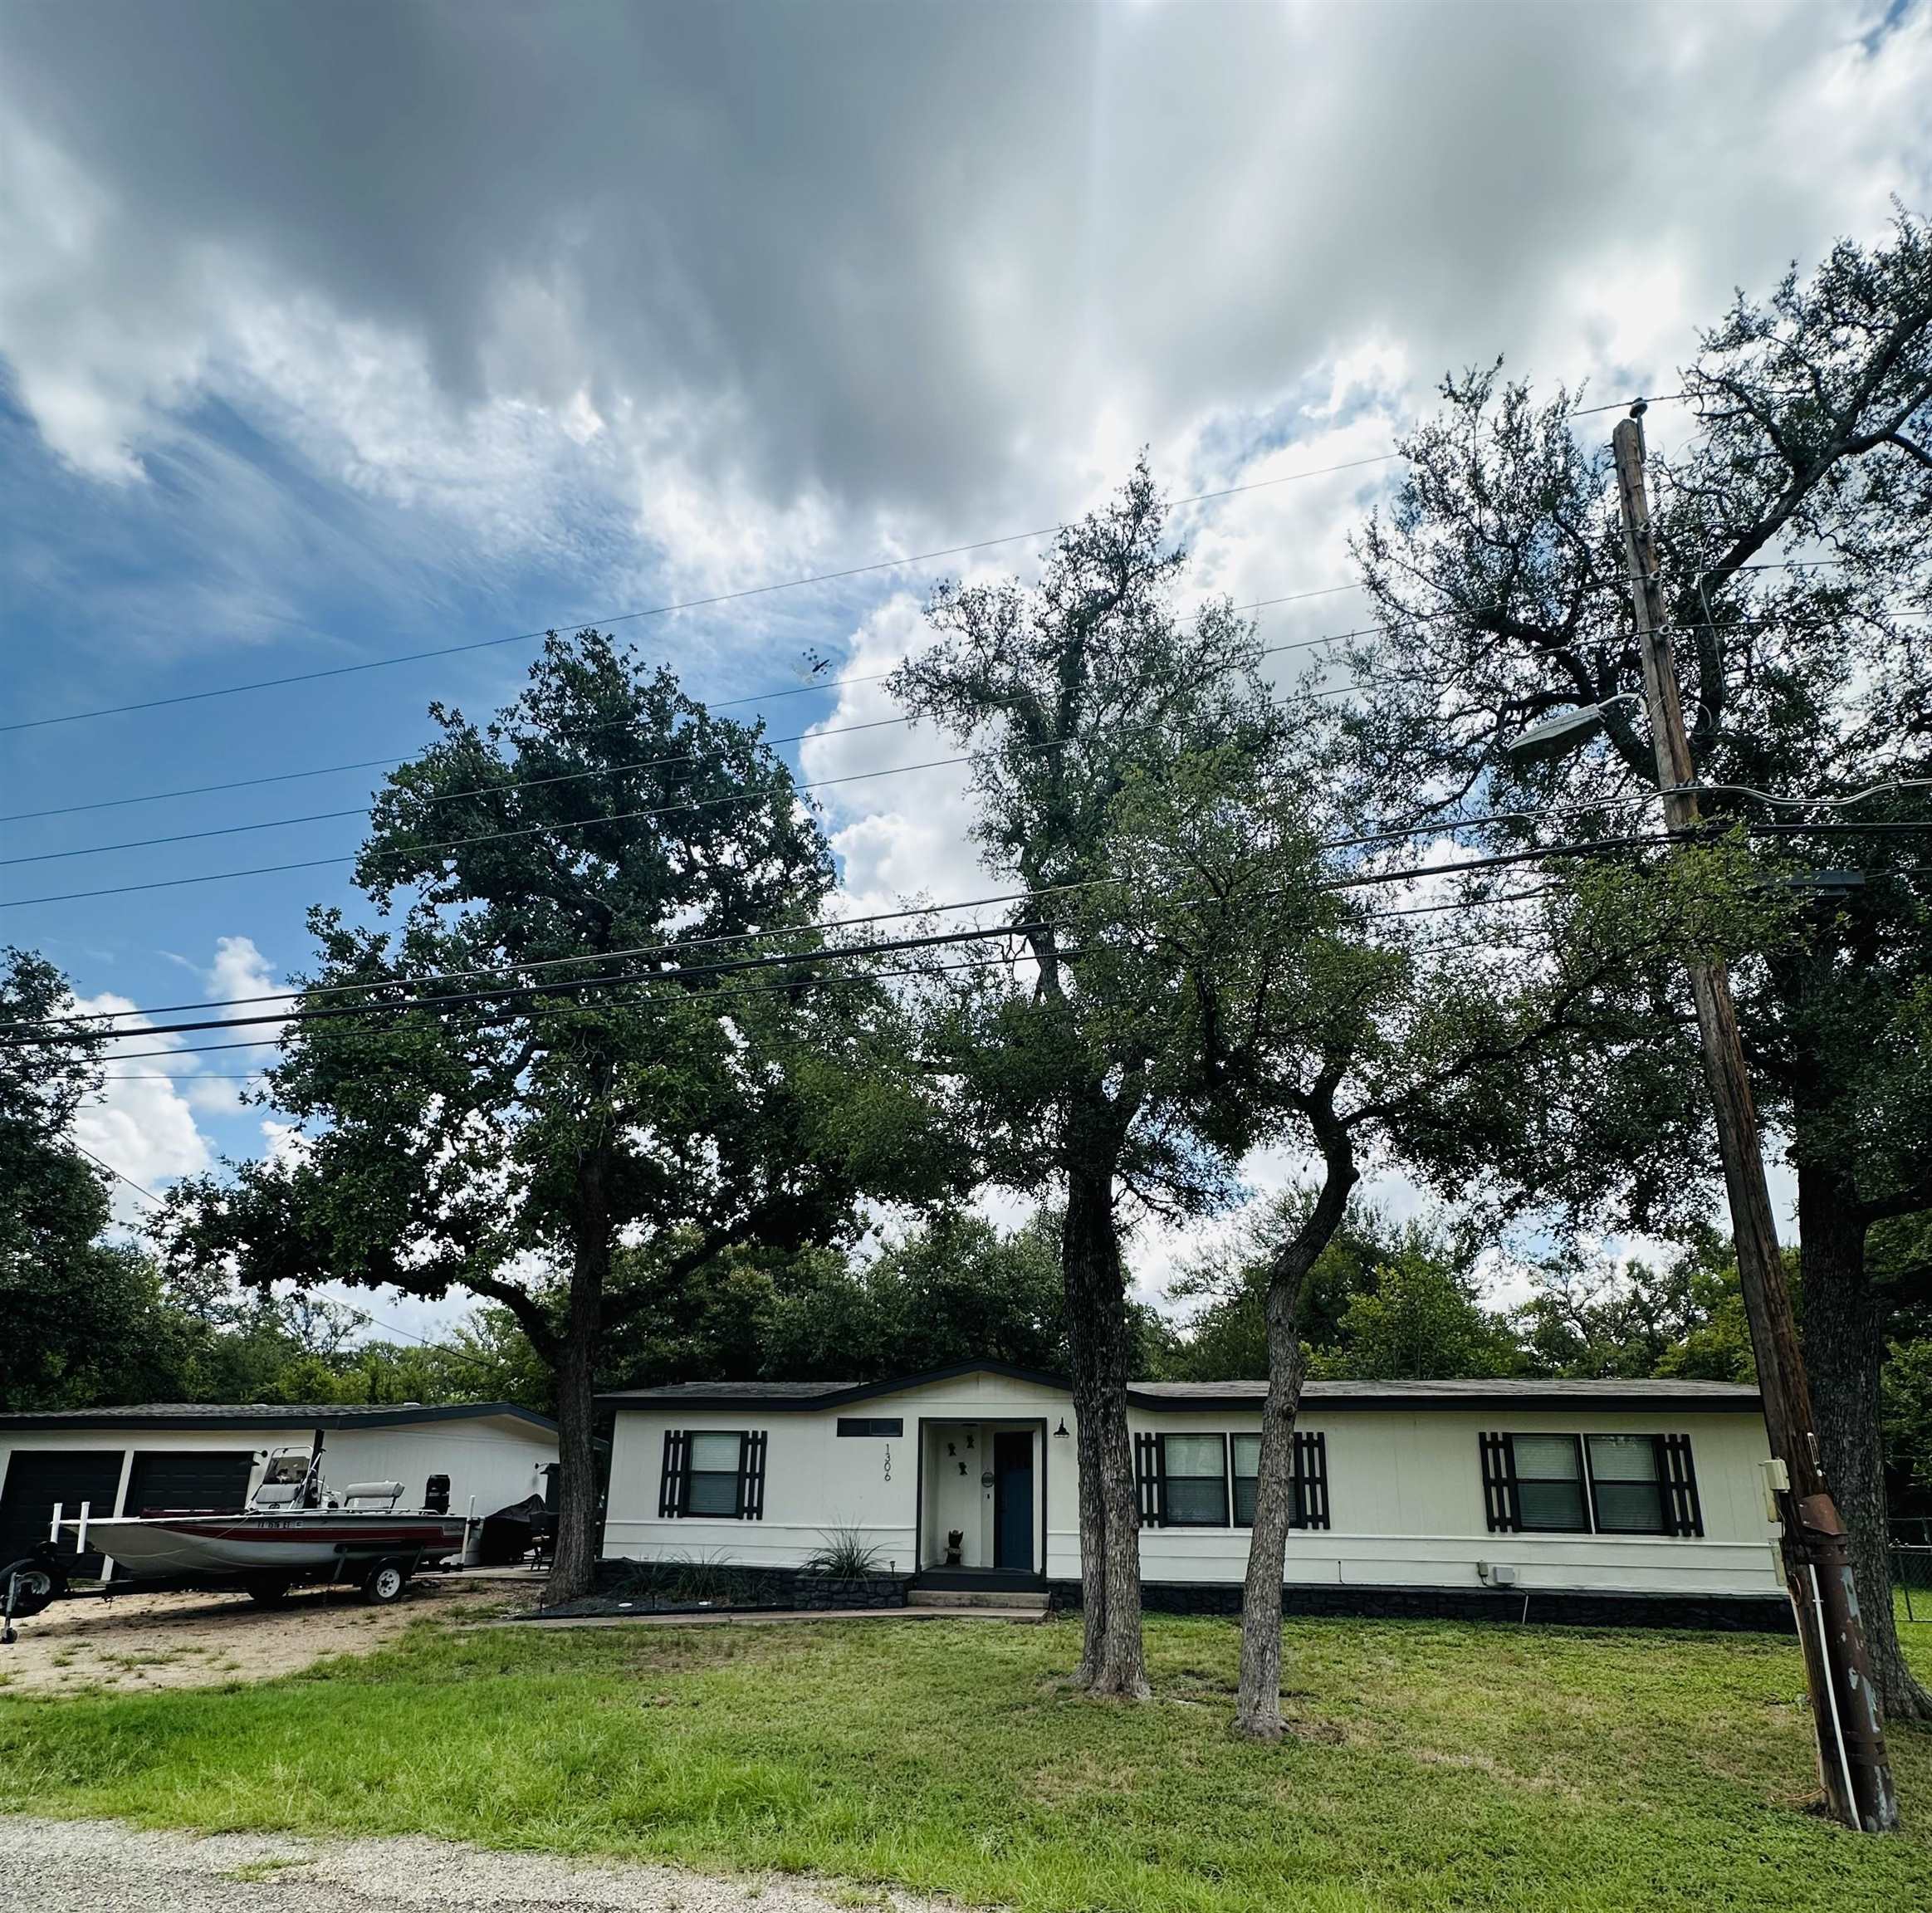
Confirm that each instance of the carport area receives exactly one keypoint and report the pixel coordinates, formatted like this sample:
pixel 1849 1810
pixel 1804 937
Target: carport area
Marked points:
pixel 176 1457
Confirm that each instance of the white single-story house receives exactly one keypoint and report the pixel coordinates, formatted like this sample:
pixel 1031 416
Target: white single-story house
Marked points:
pixel 1588 1500
pixel 196 1455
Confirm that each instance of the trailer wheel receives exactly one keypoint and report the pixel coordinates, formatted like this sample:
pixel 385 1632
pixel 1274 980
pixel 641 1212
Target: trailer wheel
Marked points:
pixel 383 1586
pixel 27 1585
pixel 265 1591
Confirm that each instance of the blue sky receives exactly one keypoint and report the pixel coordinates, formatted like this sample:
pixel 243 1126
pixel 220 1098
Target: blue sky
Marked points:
pixel 381 329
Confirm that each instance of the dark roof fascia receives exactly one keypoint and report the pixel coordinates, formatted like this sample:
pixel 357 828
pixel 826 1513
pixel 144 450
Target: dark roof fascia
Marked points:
pixel 250 1415
pixel 729 1395
pixel 1553 1395
pixel 1621 1401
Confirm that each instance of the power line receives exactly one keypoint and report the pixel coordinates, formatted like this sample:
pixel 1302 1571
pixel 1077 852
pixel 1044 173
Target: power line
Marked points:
pixel 754 697
pixel 660 610
pixel 485 837
pixel 101 1162
pixel 569 987
pixel 1446 826
pixel 568 776
pixel 680 1000
pixel 347 1308
pixel 689 1000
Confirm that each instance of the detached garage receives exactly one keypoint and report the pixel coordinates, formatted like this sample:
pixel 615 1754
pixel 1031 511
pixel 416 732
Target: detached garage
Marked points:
pixel 175 1456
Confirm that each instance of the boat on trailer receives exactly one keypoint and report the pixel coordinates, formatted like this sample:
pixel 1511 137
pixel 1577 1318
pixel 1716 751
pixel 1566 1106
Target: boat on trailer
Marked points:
pixel 293 1529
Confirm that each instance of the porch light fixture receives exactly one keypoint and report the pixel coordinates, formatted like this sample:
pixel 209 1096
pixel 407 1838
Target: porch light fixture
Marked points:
pixel 1060 1433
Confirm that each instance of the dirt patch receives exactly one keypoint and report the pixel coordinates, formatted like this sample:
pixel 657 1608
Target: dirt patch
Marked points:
pixel 139 1643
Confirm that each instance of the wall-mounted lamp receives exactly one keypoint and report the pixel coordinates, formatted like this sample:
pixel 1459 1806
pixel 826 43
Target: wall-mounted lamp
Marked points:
pixel 1060 1433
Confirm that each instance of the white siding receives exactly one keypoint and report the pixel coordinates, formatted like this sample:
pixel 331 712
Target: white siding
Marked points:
pixel 816 1480
pixel 1405 1488
pixel 493 1458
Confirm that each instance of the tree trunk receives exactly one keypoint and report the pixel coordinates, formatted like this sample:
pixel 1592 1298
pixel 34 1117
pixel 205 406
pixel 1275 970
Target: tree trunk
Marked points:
pixel 1114 1659
pixel 1844 1345
pixel 573 1566
pixel 1093 1504
pixel 1258 1697
pixel 1258 1700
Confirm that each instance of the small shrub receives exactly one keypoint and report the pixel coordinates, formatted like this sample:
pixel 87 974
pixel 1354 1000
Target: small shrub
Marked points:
pixel 706 1576
pixel 844 1554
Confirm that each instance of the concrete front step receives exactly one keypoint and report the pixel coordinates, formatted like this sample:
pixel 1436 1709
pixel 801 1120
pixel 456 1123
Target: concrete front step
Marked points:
pixel 1026 1599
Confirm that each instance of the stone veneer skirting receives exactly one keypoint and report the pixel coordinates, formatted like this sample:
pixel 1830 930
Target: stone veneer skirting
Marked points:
pixel 1720 1613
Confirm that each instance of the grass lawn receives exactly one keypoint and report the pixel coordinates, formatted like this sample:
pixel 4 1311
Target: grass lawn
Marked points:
pixel 1434 1766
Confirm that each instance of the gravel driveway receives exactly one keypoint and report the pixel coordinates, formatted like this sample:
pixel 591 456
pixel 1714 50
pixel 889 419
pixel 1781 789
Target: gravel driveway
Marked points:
pixel 138 1642
pixel 107 1867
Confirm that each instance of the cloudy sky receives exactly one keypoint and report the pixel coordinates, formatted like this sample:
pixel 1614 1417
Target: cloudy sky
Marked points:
pixel 330 334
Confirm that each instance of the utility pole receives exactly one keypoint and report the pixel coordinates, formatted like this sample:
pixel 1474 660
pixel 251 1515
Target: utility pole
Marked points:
pixel 1852 1761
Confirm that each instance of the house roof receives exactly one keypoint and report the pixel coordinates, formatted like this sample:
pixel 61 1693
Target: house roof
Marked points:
pixel 1522 1392
pixel 274 1415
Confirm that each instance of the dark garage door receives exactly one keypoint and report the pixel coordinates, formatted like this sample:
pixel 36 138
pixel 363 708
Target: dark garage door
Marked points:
pixel 38 1477
pixel 177 1478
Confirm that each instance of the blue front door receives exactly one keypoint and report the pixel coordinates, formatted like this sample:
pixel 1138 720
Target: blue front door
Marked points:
pixel 1012 1500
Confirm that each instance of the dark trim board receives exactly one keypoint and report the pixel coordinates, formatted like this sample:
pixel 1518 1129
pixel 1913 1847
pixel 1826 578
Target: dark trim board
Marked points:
pixel 1189 1397
pixel 799 1398
pixel 273 1416
pixel 1552 1606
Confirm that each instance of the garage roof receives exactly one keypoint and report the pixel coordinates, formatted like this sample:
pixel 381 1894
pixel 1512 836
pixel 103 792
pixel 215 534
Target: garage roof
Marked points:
pixel 276 1415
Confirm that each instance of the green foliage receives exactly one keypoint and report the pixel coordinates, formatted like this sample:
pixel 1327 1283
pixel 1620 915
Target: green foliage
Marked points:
pixel 82 1320
pixel 1422 1321
pixel 1684 1319
pixel 1500 570
pixel 954 1289
pixel 844 1553
pixel 620 1139
pixel 1905 1385
pixel 1382 1300
pixel 1092 703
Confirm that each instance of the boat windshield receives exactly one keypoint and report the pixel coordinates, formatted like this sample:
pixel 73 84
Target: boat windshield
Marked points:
pixel 285 1480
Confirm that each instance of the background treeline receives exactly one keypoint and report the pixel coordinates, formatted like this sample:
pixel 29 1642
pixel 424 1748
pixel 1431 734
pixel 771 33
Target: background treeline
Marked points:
pixel 1388 1300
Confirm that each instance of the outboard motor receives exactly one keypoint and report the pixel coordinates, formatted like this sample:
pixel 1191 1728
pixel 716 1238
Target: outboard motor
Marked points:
pixel 436 1495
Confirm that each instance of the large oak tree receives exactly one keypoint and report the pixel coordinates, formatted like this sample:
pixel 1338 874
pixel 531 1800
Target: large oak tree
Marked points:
pixel 1794 511
pixel 1082 1075
pixel 561 1083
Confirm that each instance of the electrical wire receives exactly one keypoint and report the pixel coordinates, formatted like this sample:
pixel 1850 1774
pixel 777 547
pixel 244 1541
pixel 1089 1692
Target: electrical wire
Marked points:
pixel 718 597
pixel 566 987
pixel 754 697
pixel 537 783
pixel 485 837
pixel 663 610
pixel 347 1308
pixel 1449 826
pixel 687 999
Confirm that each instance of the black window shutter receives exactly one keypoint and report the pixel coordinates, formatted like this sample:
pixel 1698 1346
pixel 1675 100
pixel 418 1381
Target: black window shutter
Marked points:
pixel 1500 1506
pixel 671 1483
pixel 1146 1467
pixel 1311 1480
pixel 751 1478
pixel 1683 1514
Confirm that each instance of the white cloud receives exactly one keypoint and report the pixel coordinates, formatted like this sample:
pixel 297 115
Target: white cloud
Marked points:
pixel 901 836
pixel 869 305
pixel 138 1122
